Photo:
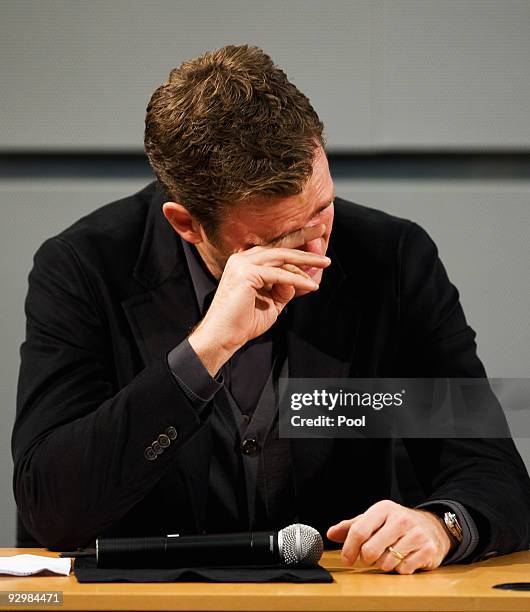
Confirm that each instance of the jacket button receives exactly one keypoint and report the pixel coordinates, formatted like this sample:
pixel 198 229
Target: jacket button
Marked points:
pixel 150 453
pixel 157 447
pixel 171 433
pixel 250 447
pixel 164 440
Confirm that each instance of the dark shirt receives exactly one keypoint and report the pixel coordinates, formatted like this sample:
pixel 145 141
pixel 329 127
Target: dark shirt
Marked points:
pixel 250 474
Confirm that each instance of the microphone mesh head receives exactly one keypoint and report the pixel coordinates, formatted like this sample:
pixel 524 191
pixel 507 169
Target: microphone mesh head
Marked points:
pixel 300 545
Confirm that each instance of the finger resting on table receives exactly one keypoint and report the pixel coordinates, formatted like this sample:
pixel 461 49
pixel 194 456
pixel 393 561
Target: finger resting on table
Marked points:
pixel 360 532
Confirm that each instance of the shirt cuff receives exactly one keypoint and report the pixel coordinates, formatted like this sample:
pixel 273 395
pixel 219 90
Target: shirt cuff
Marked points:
pixel 192 376
pixel 470 535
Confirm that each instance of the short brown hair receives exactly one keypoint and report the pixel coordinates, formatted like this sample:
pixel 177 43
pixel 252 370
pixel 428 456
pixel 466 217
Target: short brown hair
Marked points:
pixel 226 127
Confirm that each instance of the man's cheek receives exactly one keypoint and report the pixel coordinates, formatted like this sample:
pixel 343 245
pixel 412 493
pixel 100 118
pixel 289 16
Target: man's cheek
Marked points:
pixel 327 220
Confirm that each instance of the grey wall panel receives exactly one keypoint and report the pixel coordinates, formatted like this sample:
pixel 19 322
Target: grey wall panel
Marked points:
pixel 78 75
pixel 403 73
pixel 451 74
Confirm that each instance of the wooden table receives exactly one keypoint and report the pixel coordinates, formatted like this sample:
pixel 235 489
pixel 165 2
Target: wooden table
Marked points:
pixel 459 588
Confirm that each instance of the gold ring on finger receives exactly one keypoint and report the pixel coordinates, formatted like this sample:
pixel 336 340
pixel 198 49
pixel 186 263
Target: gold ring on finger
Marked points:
pixel 395 553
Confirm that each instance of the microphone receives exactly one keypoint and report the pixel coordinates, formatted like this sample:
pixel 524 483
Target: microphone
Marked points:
pixel 294 546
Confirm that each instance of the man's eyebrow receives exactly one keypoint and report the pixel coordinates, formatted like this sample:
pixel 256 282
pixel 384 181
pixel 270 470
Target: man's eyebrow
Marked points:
pixel 317 212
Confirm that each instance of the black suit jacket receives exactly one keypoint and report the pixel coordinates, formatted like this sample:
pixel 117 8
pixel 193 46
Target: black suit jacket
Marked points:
pixel 111 295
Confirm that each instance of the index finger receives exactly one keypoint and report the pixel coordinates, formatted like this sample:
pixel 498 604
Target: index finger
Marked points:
pixel 298 237
pixel 339 531
pixel 361 531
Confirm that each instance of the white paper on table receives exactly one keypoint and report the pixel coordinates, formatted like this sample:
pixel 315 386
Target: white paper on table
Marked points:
pixel 27 565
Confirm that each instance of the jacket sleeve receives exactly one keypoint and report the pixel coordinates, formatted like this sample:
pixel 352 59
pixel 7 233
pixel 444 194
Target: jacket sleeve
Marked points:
pixel 487 476
pixel 84 450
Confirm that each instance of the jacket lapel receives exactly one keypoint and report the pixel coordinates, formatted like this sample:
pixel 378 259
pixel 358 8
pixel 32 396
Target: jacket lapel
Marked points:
pixel 161 317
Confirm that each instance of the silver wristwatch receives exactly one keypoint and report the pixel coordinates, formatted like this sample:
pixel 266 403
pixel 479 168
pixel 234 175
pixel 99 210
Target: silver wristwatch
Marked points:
pixel 453 526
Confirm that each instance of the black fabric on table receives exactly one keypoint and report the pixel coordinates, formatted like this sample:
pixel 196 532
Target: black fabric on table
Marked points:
pixel 85 570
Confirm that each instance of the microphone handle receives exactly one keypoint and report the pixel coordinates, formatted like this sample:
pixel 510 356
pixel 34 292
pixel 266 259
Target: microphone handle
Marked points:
pixel 259 548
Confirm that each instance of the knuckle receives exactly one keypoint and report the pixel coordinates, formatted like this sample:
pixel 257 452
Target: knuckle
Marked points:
pixel 402 520
pixel 386 504
pixel 417 536
pixel 240 267
pixel 358 534
pixel 233 262
pixel 429 549
pixel 369 553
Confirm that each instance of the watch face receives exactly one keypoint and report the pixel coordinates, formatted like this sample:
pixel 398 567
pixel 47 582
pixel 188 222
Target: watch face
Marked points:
pixel 453 525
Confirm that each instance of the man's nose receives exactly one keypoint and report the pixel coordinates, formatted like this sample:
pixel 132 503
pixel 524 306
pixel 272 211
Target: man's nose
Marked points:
pixel 314 246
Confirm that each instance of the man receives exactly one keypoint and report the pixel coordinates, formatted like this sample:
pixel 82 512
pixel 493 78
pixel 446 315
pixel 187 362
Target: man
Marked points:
pixel 159 325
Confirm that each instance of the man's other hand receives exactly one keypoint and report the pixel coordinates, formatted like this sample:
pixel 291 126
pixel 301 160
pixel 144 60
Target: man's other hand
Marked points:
pixel 415 535
pixel 254 288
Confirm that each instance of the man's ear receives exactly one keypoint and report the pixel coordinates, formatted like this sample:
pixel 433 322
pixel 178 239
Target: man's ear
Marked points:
pixel 182 222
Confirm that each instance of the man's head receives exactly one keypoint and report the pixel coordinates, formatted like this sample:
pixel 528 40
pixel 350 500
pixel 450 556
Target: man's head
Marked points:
pixel 228 128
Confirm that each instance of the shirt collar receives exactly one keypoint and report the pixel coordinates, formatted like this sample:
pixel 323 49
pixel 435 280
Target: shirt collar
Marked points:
pixel 204 284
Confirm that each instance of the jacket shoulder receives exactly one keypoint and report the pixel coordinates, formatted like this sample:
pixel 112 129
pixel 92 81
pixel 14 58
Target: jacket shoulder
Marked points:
pixel 367 233
pixel 113 225
pixel 365 219
pixel 105 243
